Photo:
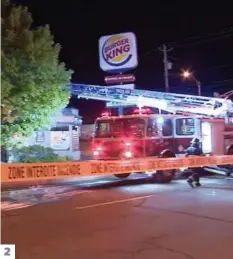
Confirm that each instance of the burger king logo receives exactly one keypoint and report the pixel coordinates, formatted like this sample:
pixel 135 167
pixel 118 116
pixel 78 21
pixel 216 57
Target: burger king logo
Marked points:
pixel 116 50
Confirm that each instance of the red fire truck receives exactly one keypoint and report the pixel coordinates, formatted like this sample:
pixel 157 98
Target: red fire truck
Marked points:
pixel 144 134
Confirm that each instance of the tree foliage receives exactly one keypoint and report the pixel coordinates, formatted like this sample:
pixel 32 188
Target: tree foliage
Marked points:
pixel 33 80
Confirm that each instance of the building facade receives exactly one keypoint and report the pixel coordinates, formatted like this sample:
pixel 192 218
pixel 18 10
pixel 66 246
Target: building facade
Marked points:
pixel 63 137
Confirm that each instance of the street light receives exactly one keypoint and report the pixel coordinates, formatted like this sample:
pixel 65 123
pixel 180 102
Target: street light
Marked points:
pixel 186 74
pixel 189 75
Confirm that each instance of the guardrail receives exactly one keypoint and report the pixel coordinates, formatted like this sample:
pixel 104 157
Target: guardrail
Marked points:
pixel 49 171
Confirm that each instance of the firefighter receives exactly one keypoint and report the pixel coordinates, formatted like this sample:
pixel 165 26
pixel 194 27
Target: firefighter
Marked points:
pixel 194 150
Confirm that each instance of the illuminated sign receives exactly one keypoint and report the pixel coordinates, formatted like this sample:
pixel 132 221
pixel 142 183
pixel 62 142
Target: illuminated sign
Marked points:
pixel 118 52
pixel 119 79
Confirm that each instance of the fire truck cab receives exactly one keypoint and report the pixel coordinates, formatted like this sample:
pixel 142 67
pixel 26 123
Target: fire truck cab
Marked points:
pixel 147 135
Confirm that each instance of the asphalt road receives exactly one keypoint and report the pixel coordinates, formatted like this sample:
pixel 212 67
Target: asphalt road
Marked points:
pixel 122 220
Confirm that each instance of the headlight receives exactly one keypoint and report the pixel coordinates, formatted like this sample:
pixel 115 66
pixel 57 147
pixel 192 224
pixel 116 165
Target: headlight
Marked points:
pixel 128 154
pixel 96 153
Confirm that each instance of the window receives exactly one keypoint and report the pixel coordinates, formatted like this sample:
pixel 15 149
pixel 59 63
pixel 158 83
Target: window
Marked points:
pixel 152 129
pixel 155 127
pixel 103 129
pixel 185 126
pixel 167 127
pixel 132 127
pixel 118 128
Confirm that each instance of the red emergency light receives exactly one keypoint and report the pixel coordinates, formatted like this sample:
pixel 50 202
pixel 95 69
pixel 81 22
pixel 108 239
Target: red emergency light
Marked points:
pixel 106 114
pixel 143 110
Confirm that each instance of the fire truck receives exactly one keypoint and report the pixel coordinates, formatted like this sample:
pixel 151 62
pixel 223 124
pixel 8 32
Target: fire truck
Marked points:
pixel 166 133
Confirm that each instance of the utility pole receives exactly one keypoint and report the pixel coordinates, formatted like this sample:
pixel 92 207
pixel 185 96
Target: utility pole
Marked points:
pixel 166 64
pixel 198 87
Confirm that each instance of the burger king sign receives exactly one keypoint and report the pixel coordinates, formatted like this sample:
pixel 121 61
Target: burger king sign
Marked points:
pixel 118 53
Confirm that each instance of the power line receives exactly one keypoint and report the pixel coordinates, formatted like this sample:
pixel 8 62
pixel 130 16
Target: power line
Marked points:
pixel 224 66
pixel 214 84
pixel 223 82
pixel 225 33
pixel 205 40
pixel 208 36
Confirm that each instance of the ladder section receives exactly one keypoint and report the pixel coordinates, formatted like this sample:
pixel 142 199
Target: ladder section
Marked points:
pixel 174 103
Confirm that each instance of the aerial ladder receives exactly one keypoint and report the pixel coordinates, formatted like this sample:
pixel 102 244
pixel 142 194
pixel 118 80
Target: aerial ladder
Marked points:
pixel 170 102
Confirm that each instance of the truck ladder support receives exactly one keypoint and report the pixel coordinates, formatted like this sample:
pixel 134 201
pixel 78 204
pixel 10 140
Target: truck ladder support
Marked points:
pixel 170 102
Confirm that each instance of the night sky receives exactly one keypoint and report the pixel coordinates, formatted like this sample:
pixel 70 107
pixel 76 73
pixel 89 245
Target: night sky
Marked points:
pixel 201 38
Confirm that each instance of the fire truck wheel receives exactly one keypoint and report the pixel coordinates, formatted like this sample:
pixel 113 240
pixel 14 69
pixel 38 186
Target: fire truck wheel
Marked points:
pixel 121 176
pixel 165 176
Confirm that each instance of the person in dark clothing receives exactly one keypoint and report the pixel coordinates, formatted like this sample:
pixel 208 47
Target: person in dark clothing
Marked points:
pixel 194 150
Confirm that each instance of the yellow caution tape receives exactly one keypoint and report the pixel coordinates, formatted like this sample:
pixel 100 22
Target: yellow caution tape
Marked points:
pixel 16 172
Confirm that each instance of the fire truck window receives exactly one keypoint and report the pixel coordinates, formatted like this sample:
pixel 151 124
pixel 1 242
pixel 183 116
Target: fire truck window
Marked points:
pixel 167 127
pixel 103 129
pixel 135 127
pixel 152 129
pixel 132 127
pixel 118 128
pixel 185 126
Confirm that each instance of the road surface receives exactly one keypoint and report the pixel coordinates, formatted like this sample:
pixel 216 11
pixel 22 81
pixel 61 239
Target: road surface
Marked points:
pixel 136 220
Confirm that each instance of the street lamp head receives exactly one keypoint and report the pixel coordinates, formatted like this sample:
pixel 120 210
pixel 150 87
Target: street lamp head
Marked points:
pixel 187 74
